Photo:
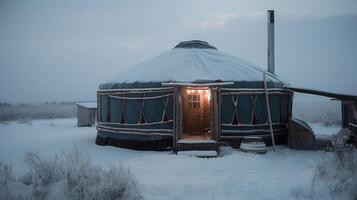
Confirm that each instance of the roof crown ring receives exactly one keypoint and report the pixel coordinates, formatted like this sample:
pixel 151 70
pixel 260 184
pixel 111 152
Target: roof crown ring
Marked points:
pixel 195 44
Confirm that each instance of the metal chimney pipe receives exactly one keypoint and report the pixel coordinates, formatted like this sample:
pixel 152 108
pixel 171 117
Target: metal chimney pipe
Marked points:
pixel 271 56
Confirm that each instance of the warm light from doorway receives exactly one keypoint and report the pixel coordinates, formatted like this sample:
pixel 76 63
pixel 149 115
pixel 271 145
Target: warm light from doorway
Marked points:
pixel 207 93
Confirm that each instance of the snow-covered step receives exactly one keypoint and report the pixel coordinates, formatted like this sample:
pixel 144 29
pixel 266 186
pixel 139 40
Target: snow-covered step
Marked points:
pixel 195 141
pixel 197 145
pixel 253 144
pixel 200 154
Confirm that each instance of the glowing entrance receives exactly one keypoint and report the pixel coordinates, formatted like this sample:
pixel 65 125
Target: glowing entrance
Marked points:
pixel 196 113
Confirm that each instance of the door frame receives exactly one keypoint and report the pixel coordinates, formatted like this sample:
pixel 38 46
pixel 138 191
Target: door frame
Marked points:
pixel 190 112
pixel 215 121
pixel 178 111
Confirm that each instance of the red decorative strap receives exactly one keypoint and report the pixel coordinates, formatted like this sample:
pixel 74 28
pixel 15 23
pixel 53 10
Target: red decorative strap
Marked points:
pixel 165 117
pixel 235 118
pixel 142 115
pixel 122 116
pixel 254 111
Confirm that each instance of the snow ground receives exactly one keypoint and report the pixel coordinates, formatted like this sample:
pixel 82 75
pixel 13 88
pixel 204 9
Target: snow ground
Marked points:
pixel 163 175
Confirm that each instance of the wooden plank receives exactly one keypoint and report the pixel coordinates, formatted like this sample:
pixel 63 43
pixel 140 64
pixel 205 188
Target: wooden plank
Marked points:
pixel 254 92
pixel 140 98
pixel 135 90
pixel 197 145
pixel 197 84
pixel 138 124
pixel 352 126
pixel 322 93
pixel 253 125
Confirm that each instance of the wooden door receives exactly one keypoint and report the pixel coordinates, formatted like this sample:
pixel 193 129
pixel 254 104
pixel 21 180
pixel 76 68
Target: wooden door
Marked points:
pixel 193 114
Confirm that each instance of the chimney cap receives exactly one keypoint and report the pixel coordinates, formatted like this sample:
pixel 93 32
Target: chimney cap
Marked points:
pixel 271 16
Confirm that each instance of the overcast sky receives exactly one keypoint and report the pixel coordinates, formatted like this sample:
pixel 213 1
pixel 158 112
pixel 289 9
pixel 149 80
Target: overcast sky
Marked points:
pixel 62 50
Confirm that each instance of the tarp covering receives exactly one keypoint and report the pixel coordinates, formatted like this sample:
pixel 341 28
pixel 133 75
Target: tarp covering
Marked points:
pixel 240 114
pixel 191 65
pixel 156 113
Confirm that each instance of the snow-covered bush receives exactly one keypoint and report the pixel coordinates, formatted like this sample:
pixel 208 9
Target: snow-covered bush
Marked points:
pixel 119 184
pixel 339 171
pixel 43 172
pixel 6 177
pixel 88 182
pixel 78 179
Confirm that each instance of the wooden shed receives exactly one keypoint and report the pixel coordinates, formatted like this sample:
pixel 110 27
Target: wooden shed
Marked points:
pixel 86 113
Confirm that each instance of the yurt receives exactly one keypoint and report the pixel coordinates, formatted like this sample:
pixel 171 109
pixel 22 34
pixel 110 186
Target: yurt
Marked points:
pixel 192 94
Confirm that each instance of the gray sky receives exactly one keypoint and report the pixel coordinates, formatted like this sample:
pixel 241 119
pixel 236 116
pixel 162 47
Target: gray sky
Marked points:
pixel 62 50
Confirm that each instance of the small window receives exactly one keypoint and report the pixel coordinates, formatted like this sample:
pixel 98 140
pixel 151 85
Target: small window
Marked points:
pixel 193 100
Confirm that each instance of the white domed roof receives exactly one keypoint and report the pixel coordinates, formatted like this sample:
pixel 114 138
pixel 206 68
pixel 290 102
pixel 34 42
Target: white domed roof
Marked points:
pixel 192 62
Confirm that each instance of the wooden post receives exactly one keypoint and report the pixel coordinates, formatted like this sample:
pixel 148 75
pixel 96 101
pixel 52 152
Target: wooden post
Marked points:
pixel 343 114
pixel 177 117
pixel 268 108
pixel 214 114
pixel 217 113
pixel 290 104
pixel 174 132
pixel 178 113
pixel 98 108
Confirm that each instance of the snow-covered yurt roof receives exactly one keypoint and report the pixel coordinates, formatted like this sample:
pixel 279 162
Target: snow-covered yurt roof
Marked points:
pixel 191 62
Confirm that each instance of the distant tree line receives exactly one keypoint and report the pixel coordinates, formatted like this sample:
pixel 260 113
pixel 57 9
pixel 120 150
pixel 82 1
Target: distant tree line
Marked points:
pixel 44 110
pixel 59 102
pixel 5 104
pixel 47 103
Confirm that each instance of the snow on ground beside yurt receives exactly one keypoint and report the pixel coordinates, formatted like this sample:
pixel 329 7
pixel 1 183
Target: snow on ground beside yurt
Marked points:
pixel 283 174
